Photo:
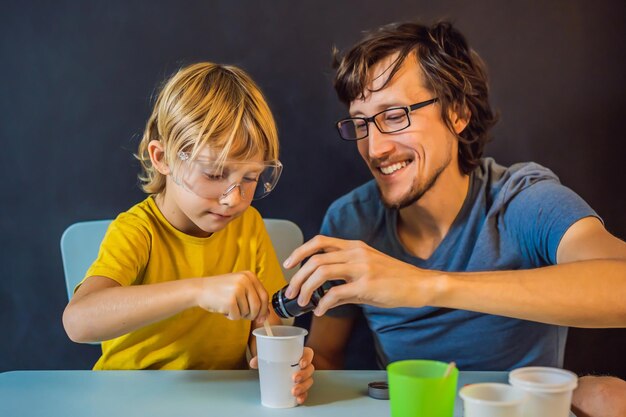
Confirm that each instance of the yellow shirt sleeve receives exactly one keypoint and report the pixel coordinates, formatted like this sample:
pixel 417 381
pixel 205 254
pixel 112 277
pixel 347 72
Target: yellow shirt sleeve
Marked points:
pixel 124 251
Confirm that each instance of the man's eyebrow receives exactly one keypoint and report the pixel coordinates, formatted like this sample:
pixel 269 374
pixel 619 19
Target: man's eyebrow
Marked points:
pixel 379 108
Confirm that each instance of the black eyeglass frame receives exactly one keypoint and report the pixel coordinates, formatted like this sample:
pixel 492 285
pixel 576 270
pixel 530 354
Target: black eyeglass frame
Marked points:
pixel 372 119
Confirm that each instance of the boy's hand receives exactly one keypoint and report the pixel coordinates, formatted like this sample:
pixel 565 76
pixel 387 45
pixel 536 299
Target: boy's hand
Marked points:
pixel 303 379
pixel 239 295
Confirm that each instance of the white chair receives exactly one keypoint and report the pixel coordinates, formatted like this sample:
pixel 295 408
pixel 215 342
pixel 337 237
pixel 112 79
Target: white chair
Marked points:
pixel 80 243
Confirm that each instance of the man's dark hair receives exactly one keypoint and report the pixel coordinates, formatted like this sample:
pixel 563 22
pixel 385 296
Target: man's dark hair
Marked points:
pixel 452 71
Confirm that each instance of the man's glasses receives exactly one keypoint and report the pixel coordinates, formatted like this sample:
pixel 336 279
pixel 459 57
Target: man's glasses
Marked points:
pixel 387 121
pixel 212 179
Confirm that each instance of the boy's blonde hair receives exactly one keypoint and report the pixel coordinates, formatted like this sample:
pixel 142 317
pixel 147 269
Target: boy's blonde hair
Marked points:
pixel 207 104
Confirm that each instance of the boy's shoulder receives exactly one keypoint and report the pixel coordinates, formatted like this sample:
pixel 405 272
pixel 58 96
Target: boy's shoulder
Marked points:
pixel 142 219
pixel 143 213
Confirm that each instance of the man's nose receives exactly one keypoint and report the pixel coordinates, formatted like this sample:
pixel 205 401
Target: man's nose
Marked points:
pixel 379 144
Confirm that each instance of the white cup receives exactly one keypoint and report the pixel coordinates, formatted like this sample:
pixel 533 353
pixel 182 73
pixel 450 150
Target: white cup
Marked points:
pixel 548 390
pixel 492 400
pixel 279 358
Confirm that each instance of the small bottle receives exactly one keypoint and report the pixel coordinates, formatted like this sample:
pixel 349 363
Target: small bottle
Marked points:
pixel 287 308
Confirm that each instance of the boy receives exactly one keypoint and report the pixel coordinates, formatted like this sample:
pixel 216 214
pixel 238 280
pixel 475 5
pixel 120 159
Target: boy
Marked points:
pixel 181 276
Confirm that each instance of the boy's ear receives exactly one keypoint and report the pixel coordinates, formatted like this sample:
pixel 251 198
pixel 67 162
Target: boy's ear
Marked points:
pixel 157 157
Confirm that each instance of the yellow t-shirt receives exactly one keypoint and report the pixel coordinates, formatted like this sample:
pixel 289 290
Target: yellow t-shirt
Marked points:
pixel 142 247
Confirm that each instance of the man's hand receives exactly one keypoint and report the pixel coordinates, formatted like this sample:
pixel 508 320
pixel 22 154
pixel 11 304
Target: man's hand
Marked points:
pixel 303 379
pixel 238 295
pixel 371 277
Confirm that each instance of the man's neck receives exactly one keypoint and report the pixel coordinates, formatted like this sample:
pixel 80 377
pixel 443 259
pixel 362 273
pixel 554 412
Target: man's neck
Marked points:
pixel 424 224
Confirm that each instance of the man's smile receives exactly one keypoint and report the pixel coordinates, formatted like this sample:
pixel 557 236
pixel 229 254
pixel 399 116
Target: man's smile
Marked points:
pixel 390 168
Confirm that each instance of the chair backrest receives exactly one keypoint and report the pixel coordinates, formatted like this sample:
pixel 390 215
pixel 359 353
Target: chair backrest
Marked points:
pixel 286 236
pixel 80 243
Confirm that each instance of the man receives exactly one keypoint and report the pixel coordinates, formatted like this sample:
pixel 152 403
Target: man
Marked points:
pixel 451 256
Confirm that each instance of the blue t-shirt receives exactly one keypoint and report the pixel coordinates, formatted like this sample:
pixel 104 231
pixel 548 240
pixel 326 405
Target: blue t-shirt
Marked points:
pixel 512 218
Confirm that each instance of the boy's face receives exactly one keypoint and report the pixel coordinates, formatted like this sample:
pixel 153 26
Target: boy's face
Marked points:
pixel 200 199
pixel 408 163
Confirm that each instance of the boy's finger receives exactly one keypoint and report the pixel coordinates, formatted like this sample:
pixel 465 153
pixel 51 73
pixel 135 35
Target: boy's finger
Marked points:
pixel 263 315
pixel 307 357
pixel 260 295
pixel 254 304
pixel 302 388
pixel 254 363
pixel 303 374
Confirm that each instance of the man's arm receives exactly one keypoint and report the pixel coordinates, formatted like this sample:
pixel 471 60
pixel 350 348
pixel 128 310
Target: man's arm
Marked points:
pixel 588 239
pixel 586 289
pixel 328 338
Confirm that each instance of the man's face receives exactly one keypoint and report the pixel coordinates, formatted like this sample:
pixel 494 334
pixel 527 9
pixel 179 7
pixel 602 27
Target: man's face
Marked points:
pixel 408 163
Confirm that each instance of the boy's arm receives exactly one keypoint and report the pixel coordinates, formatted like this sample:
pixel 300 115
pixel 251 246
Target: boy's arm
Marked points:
pixel 102 309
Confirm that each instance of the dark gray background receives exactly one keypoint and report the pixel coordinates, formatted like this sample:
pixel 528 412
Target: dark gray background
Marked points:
pixel 76 80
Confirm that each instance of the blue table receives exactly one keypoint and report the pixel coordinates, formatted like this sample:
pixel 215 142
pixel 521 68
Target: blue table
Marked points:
pixel 189 393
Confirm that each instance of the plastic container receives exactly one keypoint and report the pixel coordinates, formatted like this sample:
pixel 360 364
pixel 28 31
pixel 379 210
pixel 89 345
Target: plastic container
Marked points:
pixel 549 390
pixel 492 400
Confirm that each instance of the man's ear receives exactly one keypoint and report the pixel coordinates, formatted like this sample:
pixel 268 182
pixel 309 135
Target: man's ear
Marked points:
pixel 460 117
pixel 157 157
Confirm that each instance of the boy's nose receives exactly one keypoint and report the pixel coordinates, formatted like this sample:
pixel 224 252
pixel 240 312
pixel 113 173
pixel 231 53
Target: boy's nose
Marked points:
pixel 230 197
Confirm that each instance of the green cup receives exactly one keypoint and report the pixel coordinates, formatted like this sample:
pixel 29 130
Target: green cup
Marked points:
pixel 417 388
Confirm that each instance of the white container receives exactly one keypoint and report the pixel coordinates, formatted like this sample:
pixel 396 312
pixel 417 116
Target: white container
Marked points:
pixel 549 390
pixel 279 358
pixel 492 400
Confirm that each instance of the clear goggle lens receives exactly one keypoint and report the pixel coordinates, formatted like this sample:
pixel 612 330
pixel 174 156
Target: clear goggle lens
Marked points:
pixel 212 179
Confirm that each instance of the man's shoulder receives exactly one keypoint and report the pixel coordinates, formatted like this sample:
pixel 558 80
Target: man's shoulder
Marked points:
pixel 514 173
pixel 364 199
pixel 358 215
pixel 504 183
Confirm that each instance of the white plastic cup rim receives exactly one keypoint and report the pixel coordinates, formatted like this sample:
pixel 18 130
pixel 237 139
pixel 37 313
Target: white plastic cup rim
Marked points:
pixel 518 394
pixel 280 332
pixel 543 379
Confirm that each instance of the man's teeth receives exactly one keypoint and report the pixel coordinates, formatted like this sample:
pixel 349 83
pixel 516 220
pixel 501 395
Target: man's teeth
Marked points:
pixel 390 169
